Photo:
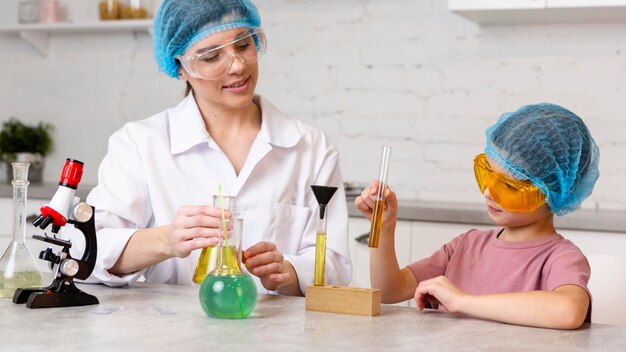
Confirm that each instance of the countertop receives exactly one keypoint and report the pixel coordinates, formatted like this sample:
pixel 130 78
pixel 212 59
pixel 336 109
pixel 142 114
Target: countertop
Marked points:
pixel 167 317
pixel 450 212
pixel 413 210
pixel 43 190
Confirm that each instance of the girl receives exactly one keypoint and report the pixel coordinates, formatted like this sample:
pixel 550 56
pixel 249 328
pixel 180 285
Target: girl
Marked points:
pixel 539 161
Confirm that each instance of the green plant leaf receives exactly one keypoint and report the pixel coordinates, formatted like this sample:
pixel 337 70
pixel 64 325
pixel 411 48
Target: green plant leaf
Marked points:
pixel 17 137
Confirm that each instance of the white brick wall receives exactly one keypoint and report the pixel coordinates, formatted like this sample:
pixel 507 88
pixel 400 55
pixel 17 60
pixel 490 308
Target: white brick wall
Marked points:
pixel 405 73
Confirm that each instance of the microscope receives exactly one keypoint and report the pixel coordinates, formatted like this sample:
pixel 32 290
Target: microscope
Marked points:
pixel 64 208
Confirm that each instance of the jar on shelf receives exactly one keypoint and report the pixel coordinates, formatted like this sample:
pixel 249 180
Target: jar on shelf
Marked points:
pixel 48 11
pixel 109 9
pixel 28 11
pixel 133 9
pixel 137 10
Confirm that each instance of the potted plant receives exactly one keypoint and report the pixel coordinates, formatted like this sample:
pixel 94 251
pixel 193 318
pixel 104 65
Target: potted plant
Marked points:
pixel 25 143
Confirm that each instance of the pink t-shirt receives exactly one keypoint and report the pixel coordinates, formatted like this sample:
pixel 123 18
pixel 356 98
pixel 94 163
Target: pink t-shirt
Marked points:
pixel 479 263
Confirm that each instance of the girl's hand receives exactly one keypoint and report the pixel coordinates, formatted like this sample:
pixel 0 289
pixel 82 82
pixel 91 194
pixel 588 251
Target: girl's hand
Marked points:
pixel 265 261
pixel 365 203
pixel 193 227
pixel 439 290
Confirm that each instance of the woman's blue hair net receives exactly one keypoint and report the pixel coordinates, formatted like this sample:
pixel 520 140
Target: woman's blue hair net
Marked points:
pixel 550 146
pixel 179 24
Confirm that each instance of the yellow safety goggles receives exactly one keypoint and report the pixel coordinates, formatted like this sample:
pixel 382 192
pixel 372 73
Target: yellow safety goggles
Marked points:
pixel 513 195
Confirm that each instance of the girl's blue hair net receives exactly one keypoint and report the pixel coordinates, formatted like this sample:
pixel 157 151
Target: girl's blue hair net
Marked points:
pixel 179 24
pixel 550 146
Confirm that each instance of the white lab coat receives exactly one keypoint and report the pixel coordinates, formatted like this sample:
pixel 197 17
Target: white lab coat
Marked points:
pixel 156 165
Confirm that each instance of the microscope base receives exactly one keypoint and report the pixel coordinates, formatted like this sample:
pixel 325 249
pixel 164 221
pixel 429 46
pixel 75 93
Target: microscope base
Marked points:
pixel 46 298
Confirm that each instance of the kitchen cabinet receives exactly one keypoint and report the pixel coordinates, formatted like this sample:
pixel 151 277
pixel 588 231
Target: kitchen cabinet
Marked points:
pixel 427 237
pixel 597 242
pixel 489 12
pixel 360 252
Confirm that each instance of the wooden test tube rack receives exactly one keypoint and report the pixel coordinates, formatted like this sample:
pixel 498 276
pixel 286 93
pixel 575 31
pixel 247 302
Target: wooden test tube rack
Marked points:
pixel 343 300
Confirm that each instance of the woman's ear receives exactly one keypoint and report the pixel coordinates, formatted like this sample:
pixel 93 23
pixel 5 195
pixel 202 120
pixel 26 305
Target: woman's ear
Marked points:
pixel 181 74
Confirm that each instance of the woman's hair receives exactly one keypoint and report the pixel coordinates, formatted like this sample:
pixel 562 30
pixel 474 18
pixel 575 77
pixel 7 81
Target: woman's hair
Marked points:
pixel 179 24
pixel 550 146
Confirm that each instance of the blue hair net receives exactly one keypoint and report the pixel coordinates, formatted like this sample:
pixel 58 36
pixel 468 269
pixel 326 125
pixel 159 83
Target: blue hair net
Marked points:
pixel 179 24
pixel 550 146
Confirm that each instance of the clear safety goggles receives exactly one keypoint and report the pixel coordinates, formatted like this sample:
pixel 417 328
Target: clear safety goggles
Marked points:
pixel 513 195
pixel 214 63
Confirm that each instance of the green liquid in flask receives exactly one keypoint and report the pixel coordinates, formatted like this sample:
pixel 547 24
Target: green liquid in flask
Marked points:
pixel 228 296
pixel 27 279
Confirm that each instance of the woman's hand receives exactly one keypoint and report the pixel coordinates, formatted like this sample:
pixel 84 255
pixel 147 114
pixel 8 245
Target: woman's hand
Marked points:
pixel 193 227
pixel 366 202
pixel 266 261
pixel 439 290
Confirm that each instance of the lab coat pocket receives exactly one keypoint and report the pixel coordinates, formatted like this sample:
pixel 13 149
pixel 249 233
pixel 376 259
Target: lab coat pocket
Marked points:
pixel 290 225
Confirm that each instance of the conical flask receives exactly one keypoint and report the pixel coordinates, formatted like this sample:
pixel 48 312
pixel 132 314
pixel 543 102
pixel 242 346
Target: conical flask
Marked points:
pixel 208 256
pixel 18 267
pixel 228 292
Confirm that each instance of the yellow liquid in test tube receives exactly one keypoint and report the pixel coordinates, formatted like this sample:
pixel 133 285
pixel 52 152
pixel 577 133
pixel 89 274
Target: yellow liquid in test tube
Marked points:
pixel 377 221
pixel 379 207
pixel 320 259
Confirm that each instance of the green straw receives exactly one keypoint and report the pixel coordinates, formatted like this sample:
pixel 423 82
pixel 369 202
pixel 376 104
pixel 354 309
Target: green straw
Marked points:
pixel 225 230
pixel 219 192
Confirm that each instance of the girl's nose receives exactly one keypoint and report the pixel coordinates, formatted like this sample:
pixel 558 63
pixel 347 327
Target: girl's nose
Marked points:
pixel 487 194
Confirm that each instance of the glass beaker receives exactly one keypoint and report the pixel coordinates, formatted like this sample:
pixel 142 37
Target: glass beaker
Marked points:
pixel 208 257
pixel 18 268
pixel 228 292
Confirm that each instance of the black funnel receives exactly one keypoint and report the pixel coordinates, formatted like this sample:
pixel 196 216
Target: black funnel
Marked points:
pixel 323 194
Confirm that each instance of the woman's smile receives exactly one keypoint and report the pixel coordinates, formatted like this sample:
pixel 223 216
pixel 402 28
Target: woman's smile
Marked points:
pixel 239 86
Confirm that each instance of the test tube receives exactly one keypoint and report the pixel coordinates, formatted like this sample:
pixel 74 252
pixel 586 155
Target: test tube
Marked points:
pixel 320 253
pixel 379 206
pixel 323 194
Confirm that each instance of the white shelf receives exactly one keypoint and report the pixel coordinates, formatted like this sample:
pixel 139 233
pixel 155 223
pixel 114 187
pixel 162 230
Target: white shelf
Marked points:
pixel 494 12
pixel 38 34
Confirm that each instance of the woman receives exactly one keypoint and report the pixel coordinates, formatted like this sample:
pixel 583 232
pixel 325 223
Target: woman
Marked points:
pixel 159 174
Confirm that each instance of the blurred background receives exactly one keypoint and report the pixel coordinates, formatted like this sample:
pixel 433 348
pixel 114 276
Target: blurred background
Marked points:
pixel 411 74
